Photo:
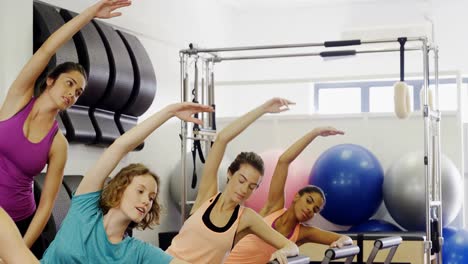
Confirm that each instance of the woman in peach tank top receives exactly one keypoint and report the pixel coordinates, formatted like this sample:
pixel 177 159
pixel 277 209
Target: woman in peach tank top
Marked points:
pixel 218 219
pixel 287 221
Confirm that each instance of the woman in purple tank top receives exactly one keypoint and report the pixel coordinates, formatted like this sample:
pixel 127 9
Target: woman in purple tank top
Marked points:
pixel 30 137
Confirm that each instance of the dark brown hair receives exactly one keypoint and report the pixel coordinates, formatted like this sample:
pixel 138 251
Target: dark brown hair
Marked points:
pixel 250 158
pixel 65 67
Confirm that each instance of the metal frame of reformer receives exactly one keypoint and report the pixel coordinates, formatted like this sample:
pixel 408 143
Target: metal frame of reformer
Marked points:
pixel 348 253
pixel 388 242
pixel 210 56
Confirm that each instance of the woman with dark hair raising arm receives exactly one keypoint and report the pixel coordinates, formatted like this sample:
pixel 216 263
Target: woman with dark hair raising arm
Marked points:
pixel 287 221
pixel 28 128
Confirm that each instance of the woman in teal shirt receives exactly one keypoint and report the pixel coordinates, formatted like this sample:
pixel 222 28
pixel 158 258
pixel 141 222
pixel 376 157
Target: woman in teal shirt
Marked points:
pixel 94 228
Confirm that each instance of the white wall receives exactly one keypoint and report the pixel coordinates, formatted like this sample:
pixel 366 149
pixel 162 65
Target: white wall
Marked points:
pixel 16 45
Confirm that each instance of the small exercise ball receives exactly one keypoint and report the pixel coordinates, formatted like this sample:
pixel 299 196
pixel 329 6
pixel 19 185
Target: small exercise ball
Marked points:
pixel 375 225
pixel 176 186
pixel 351 178
pixel 455 248
pixel 297 179
pixel 404 191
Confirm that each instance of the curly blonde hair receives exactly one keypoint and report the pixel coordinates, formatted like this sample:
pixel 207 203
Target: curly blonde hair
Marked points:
pixel 112 194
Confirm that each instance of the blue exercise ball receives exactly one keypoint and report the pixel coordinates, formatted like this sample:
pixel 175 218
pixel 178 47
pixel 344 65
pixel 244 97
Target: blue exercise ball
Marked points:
pixel 455 248
pixel 352 180
pixel 375 225
pixel 448 232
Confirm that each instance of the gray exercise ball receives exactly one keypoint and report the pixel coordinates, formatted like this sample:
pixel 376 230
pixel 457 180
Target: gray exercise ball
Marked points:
pixel 404 193
pixel 176 186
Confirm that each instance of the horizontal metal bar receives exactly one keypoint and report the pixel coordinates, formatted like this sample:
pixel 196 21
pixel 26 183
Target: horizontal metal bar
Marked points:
pixel 375 41
pixel 388 242
pixel 310 54
pixel 346 251
pixel 387 50
pixel 198 138
pixel 286 46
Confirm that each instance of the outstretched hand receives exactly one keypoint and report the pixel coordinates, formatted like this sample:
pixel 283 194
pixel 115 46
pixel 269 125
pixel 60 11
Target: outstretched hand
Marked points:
pixel 105 8
pixel 184 111
pixel 327 131
pixel 277 105
pixel 341 242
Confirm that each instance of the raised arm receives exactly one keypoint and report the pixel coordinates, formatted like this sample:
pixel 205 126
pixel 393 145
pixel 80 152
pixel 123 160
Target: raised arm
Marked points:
pixel 209 180
pixel 254 224
pixel 94 179
pixel 275 199
pixel 22 87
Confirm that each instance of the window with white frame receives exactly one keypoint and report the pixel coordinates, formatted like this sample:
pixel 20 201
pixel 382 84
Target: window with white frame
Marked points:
pixel 381 99
pixel 339 100
pixel 377 96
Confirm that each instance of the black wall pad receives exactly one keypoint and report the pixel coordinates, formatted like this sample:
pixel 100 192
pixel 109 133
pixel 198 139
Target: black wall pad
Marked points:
pixel 105 126
pixel 61 125
pixel 49 231
pixel 121 79
pixel 78 124
pixel 71 183
pixel 46 20
pixel 62 203
pixel 67 124
pixel 92 55
pixel 144 88
pixel 125 123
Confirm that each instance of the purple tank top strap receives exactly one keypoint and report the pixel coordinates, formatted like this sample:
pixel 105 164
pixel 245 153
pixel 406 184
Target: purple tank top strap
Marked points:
pixel 52 132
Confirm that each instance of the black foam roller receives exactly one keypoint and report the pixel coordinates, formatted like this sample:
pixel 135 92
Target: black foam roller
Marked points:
pixel 121 80
pixel 92 55
pixel 144 88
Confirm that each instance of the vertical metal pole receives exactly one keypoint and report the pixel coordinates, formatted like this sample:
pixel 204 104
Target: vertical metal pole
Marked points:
pixel 427 154
pixel 437 155
pixel 210 101
pixel 461 106
pixel 183 134
pixel 203 90
pixel 211 93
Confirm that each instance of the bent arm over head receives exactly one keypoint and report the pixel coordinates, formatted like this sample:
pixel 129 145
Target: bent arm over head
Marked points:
pixel 209 179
